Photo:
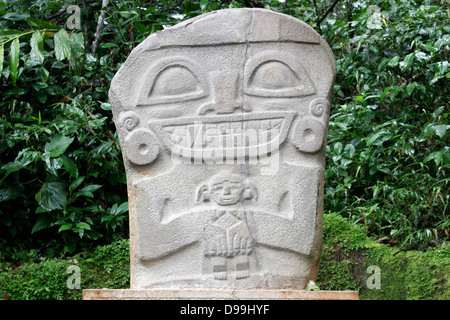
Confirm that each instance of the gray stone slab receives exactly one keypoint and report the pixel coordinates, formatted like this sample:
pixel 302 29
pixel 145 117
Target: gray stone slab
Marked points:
pixel 217 294
pixel 222 122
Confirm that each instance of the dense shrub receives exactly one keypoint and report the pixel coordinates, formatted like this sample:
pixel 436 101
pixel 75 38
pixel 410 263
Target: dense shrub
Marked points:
pixel 33 276
pixel 61 169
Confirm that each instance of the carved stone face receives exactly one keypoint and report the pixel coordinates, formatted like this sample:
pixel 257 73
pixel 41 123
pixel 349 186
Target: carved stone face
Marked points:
pixel 227 192
pixel 203 108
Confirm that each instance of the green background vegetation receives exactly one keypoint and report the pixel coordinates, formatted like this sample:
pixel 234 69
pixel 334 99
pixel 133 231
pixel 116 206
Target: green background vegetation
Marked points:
pixel 347 255
pixel 62 181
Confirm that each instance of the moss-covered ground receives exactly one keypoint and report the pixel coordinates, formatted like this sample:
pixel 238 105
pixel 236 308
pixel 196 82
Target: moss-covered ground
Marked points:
pixel 350 261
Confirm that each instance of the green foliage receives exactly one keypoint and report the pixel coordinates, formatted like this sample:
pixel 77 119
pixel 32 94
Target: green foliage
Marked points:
pixel 36 281
pixel 404 275
pixel 33 277
pixel 388 142
pixel 61 169
pixel 114 262
pixel 388 153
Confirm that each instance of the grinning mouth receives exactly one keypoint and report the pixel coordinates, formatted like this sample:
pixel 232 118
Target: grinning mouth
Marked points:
pixel 254 133
pixel 221 134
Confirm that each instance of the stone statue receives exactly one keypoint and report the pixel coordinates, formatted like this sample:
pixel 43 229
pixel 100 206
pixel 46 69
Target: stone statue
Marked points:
pixel 223 120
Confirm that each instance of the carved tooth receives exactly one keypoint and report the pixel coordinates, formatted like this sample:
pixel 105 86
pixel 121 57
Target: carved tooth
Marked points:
pixel 236 126
pixel 252 124
pixel 276 123
pixel 265 124
pixel 175 138
pixel 223 127
pixel 169 129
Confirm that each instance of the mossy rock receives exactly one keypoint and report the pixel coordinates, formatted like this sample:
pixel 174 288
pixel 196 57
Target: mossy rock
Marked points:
pixel 403 275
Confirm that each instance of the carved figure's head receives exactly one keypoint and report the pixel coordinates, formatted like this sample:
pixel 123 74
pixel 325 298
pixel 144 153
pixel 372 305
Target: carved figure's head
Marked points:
pixel 226 190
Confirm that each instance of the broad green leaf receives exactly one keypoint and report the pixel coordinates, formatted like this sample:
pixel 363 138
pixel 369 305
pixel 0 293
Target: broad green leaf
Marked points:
pixel 41 24
pixel 93 208
pixel 83 225
pixel 91 188
pixel 105 106
pixel 122 208
pixel 70 166
pixel 43 221
pixel 106 218
pixel 108 45
pixel 87 191
pixel 15 16
pixel 76 183
pixel 11 191
pixel 65 227
pixel 410 88
pixel 394 61
pixel 52 196
pixel 36 43
pixel 58 145
pixel 338 148
pixel 440 130
pixel 407 62
pixel 349 150
pixel 437 156
pixel 62 45
pixel 39 209
pixel 383 64
pixel 378 138
pixel 203 4
pixel 11 167
pixel 94 236
pixel 52 164
pixel 7 34
pixel 128 14
pixel 14 60
pixel 77 41
pixel 421 55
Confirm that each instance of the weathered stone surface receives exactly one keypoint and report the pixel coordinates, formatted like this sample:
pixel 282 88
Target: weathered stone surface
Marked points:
pixel 222 121
pixel 217 294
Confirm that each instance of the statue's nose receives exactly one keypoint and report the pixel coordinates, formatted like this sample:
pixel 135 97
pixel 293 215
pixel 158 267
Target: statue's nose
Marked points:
pixel 226 96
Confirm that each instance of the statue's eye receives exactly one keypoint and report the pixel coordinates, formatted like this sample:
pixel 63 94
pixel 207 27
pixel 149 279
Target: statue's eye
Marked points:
pixel 175 81
pixel 276 74
pixel 171 82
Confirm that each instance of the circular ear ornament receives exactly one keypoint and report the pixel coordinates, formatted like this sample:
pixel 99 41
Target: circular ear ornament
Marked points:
pixel 308 135
pixel 129 120
pixel 141 147
pixel 319 106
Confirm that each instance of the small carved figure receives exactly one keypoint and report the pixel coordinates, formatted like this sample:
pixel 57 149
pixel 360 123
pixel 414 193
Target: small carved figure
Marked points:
pixel 227 236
